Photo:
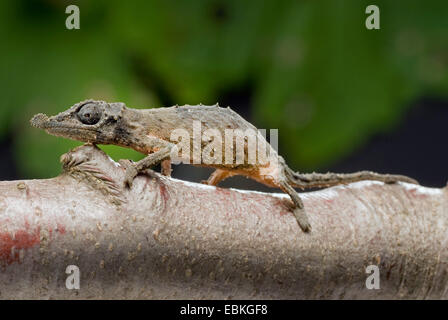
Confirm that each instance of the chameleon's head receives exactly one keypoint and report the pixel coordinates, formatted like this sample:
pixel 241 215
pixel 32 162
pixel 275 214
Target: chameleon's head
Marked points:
pixel 88 121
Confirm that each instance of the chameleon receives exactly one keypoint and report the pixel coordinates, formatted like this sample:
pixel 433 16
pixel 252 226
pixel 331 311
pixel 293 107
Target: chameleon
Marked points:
pixel 148 131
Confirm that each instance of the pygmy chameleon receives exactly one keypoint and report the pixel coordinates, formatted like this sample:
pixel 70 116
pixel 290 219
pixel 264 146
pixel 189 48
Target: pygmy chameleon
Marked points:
pixel 149 132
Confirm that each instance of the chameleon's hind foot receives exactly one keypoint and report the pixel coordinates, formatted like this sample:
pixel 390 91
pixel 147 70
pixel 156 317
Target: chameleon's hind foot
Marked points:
pixel 208 182
pixel 302 219
pixel 131 172
pixel 165 168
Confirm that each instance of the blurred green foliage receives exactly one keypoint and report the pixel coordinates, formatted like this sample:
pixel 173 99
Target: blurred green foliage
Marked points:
pixel 315 71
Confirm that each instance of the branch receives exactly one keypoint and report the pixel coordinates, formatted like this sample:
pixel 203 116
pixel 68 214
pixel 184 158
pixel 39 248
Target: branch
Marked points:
pixel 167 238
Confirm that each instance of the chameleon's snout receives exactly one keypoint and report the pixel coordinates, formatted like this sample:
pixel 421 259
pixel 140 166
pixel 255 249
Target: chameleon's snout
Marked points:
pixel 39 121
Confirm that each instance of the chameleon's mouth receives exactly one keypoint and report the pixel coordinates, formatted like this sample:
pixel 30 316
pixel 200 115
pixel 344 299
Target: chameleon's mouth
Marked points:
pixel 42 121
pixel 63 129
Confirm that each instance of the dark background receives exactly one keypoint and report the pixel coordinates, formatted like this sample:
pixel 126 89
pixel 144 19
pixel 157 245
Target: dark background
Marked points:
pixel 344 98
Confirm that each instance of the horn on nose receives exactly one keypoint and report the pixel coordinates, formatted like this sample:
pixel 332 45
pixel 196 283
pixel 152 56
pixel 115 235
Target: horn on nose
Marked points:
pixel 39 121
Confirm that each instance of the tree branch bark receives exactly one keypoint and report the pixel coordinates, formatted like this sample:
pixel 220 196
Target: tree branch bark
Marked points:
pixel 167 238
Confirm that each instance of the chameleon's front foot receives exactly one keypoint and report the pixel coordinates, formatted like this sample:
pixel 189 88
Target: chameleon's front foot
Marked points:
pixel 131 172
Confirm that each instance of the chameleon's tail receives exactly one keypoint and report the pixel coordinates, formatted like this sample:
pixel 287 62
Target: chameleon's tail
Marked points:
pixel 318 180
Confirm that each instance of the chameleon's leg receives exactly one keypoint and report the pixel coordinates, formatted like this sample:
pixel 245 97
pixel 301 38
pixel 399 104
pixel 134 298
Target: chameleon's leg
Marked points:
pixel 217 176
pixel 299 210
pixel 166 167
pixel 132 170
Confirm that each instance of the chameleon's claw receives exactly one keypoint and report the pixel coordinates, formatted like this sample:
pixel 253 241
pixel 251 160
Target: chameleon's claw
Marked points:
pixel 131 172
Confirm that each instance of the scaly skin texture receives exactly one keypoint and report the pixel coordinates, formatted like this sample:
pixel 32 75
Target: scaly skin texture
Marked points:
pixel 150 132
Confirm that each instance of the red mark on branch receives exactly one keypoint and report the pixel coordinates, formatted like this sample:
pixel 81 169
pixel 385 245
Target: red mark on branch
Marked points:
pixel 10 245
pixel 61 229
pixel 163 192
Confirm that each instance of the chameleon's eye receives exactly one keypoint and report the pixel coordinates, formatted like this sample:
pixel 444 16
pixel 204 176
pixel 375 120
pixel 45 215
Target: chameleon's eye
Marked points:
pixel 90 114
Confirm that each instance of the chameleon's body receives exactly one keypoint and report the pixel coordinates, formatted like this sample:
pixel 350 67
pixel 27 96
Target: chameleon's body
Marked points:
pixel 149 132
